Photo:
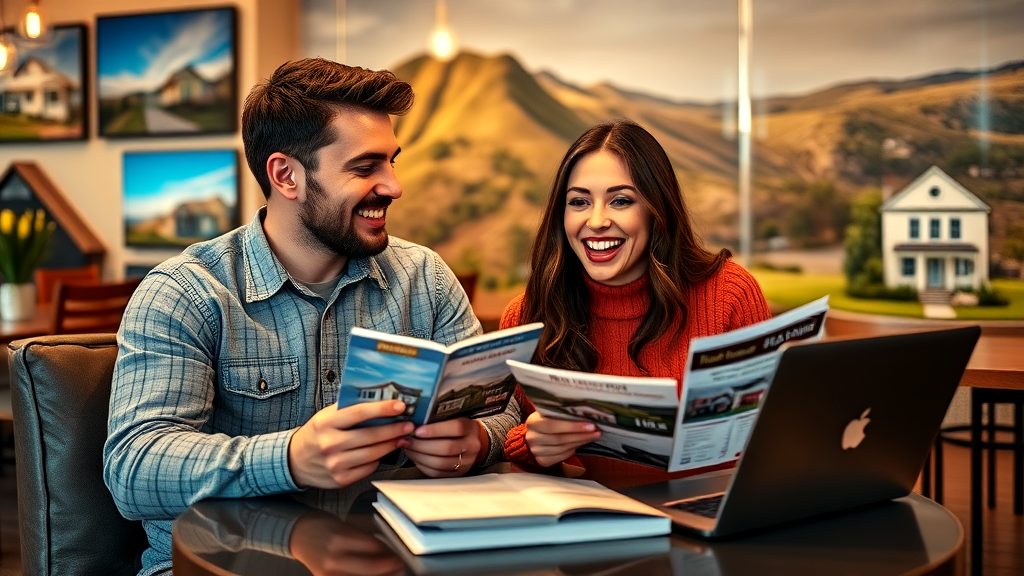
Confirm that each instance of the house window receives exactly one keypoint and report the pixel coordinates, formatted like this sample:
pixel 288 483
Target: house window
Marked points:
pixel 52 97
pixel 933 228
pixel 964 267
pixel 954 228
pixel 915 228
pixel 934 192
pixel 908 266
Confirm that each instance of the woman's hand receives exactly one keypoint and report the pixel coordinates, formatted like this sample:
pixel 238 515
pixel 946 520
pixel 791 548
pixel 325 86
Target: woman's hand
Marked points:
pixel 445 449
pixel 553 440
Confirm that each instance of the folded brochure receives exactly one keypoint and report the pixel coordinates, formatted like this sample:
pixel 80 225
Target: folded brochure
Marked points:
pixel 643 420
pixel 437 382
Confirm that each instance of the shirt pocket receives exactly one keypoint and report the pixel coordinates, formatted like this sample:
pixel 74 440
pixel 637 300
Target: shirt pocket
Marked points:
pixel 261 395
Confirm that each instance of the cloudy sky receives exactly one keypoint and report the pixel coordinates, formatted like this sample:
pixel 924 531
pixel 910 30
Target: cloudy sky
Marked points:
pixel 156 182
pixel 138 53
pixel 685 49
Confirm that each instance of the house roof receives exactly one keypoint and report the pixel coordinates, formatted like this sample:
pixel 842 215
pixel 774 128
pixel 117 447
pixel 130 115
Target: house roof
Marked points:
pixel 893 202
pixel 180 74
pixel 403 389
pixel 20 81
pixel 57 206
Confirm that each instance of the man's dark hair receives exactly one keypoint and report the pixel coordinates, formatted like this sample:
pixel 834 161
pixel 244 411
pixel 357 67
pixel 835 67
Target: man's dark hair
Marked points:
pixel 292 111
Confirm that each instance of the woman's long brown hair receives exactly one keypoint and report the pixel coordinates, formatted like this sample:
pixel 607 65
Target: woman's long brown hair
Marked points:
pixel 676 258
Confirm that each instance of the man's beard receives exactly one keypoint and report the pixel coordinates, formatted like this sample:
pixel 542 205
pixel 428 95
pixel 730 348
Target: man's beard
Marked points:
pixel 335 231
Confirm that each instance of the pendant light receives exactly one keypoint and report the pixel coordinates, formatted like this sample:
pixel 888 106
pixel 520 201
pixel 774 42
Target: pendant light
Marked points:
pixel 32 26
pixel 8 51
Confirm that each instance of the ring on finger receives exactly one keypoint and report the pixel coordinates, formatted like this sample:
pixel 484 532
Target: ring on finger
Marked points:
pixel 459 465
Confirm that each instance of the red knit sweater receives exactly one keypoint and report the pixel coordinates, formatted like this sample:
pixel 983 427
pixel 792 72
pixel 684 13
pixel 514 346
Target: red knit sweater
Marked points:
pixel 728 300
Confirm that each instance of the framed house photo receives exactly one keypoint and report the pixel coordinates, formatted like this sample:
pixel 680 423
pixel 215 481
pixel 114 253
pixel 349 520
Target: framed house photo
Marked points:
pixel 167 73
pixel 179 197
pixel 44 99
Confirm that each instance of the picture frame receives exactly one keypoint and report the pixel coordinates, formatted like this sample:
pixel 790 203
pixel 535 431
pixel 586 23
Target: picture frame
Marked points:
pixel 174 198
pixel 46 97
pixel 170 73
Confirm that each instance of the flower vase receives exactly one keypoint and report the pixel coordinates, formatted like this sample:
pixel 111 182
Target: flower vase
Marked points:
pixel 17 301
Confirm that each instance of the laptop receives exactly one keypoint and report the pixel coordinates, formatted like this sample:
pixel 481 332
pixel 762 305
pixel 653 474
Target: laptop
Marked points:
pixel 845 423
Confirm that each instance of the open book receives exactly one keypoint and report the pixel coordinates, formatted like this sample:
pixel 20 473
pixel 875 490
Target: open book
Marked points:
pixel 643 420
pixel 437 382
pixel 506 510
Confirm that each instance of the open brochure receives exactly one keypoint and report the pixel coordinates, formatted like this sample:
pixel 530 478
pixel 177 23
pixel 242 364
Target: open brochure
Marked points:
pixel 643 420
pixel 505 510
pixel 437 382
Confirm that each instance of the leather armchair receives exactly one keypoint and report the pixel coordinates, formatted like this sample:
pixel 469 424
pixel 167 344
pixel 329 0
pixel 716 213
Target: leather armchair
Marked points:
pixel 68 521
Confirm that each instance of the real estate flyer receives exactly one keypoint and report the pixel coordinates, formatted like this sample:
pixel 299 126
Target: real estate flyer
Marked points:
pixel 437 382
pixel 643 420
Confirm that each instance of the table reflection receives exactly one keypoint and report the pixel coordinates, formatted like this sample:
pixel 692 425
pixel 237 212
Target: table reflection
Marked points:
pixel 323 533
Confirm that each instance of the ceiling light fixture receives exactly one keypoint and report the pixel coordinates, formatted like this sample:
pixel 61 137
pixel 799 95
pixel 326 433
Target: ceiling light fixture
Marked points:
pixel 8 51
pixel 32 26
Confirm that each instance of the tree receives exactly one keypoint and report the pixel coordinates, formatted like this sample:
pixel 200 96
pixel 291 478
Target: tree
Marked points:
pixel 863 243
pixel 1014 247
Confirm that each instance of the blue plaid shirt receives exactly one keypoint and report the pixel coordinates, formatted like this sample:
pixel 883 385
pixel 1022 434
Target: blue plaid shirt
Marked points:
pixel 222 356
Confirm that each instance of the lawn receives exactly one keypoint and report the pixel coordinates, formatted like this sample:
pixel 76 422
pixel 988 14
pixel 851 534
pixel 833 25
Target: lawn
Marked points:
pixel 787 290
pixel 18 128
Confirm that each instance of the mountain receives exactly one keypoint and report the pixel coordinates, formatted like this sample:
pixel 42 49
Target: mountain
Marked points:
pixel 485 136
pixel 479 149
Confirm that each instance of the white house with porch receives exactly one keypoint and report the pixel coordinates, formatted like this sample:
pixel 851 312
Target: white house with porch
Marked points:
pixel 35 89
pixel 935 235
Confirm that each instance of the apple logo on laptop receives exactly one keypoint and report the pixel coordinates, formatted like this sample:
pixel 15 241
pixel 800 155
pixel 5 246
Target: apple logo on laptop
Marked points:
pixel 853 435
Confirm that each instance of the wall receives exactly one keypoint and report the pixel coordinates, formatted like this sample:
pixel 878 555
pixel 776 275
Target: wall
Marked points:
pixel 89 172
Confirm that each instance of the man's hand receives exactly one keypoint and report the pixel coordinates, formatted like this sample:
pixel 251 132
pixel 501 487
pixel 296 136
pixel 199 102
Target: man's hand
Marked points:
pixel 327 546
pixel 326 452
pixel 446 449
pixel 553 440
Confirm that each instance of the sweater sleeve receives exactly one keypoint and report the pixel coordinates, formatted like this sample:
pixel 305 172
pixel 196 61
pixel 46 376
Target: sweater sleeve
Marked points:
pixel 511 315
pixel 747 304
pixel 515 448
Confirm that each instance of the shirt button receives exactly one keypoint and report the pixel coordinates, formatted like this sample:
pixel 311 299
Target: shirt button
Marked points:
pixel 262 385
pixel 331 375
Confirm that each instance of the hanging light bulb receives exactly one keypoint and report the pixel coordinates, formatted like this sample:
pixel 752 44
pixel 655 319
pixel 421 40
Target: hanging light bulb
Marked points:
pixel 8 54
pixel 31 26
pixel 8 51
pixel 442 43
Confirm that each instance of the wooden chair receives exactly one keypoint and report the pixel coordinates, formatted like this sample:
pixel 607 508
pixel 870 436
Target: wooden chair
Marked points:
pixel 84 308
pixel 47 278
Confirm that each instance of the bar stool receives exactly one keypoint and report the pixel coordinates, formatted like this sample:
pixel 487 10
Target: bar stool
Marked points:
pixel 958 435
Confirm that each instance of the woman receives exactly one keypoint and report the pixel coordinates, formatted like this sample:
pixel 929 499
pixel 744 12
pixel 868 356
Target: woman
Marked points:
pixel 622 283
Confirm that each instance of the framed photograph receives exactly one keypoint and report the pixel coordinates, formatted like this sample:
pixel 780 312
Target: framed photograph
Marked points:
pixel 167 73
pixel 44 99
pixel 176 198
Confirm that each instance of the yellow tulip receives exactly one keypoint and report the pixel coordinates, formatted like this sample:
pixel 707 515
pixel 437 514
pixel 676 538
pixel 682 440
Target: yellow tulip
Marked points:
pixel 6 220
pixel 40 220
pixel 24 225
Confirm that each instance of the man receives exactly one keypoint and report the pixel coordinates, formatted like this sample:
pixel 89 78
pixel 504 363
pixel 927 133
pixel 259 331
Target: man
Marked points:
pixel 230 354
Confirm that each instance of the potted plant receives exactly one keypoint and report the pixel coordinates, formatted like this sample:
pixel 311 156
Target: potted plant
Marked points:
pixel 23 242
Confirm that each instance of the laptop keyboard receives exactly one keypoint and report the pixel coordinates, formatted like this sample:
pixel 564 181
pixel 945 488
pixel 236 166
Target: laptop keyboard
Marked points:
pixel 707 506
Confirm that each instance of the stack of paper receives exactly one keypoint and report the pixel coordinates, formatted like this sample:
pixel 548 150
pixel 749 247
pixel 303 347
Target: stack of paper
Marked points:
pixel 506 510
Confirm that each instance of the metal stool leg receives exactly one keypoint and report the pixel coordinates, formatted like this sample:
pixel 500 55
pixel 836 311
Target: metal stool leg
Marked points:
pixel 1018 458
pixel 991 426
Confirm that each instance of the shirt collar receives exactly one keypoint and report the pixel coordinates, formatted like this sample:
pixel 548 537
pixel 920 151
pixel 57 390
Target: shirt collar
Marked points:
pixel 265 275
